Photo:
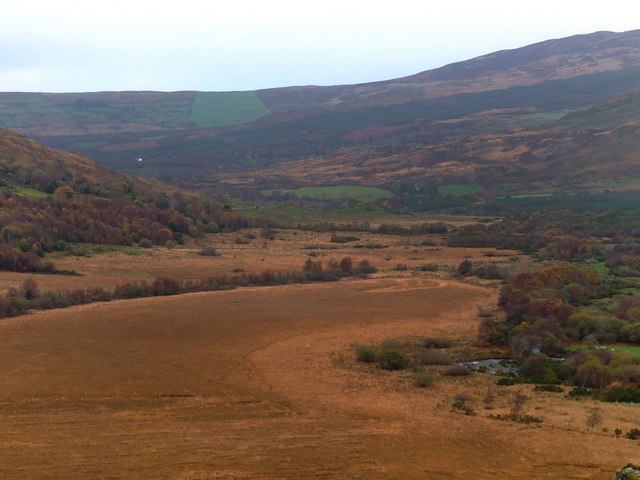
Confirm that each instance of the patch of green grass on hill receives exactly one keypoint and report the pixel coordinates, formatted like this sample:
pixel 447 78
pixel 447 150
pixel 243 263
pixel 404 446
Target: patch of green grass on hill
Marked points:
pixel 545 117
pixel 532 195
pixel 635 349
pixel 459 189
pixel 337 192
pixel 217 109
pixel 30 192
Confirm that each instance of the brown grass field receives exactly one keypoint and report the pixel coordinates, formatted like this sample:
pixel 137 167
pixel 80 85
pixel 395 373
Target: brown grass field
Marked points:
pixel 262 382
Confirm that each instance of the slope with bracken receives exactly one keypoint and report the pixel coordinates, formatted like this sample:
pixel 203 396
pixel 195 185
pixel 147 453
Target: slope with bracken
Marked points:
pixel 595 148
pixel 49 198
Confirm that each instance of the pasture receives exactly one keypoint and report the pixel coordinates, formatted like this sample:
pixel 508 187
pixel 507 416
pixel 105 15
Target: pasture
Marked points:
pixel 336 192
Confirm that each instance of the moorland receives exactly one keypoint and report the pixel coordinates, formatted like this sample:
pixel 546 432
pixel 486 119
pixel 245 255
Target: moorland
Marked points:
pixel 428 277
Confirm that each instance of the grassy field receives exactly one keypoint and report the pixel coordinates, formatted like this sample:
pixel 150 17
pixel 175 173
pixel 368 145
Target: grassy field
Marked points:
pixel 178 110
pixel 635 349
pixel 459 189
pixel 211 109
pixel 21 190
pixel 233 384
pixel 336 192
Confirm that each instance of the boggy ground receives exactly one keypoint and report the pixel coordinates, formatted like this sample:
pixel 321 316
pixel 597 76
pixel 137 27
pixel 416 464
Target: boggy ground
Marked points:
pixel 287 251
pixel 259 383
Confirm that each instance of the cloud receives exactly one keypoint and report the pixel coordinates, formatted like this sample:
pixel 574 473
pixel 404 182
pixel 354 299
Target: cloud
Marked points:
pixel 73 45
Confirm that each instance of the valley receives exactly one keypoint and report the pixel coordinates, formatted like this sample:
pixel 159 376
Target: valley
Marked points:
pixel 290 283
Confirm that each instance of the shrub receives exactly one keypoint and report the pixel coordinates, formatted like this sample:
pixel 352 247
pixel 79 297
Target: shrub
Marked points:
pixel 392 343
pixel 343 239
pixel 346 265
pixel 429 267
pixel 145 243
pixel 460 405
pixel 548 388
pixel 465 267
pixel 633 434
pixel 423 379
pixel 208 251
pixel 434 357
pixel 507 381
pixel 365 268
pixel 366 354
pixel 457 371
pixel 436 342
pixel 580 392
pixel 394 359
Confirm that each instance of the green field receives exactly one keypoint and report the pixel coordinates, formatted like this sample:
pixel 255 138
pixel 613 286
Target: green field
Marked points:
pixel 337 192
pixel 635 349
pixel 206 109
pixel 217 109
pixel 30 192
pixel 459 189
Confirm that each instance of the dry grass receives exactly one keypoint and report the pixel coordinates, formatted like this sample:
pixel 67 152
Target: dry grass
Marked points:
pixel 288 251
pixel 263 383
pixel 259 383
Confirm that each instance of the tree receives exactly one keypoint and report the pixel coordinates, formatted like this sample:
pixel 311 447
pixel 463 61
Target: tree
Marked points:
pixel 594 417
pixel 465 267
pixel 517 405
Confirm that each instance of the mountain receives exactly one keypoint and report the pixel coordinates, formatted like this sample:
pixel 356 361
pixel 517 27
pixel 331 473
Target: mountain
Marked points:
pixel 471 113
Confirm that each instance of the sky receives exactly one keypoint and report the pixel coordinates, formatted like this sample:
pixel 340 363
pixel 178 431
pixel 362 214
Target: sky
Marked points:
pixel 87 46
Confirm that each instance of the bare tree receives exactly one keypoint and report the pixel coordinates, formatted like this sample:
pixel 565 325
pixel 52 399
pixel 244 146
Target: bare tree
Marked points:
pixel 594 416
pixel 489 399
pixel 517 405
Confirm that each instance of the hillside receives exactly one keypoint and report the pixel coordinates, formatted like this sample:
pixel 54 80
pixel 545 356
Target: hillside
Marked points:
pixel 50 198
pixel 499 120
pixel 26 162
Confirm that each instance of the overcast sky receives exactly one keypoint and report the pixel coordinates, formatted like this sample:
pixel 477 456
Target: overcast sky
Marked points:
pixel 81 46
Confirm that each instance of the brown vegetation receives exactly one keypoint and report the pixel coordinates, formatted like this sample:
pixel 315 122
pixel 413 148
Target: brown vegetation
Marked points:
pixel 236 385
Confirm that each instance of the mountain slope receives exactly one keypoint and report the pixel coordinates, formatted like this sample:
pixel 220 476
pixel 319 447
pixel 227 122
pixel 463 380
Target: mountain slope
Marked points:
pixel 596 148
pixel 29 163
pixel 549 60
pixel 191 137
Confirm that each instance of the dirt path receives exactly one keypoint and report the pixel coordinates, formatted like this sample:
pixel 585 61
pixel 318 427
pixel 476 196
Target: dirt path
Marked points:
pixel 251 384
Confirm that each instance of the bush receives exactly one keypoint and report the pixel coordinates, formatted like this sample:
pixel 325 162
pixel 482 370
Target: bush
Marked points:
pixel 580 392
pixel 366 354
pixel 429 267
pixel 208 251
pixel 145 243
pixel 461 406
pixel 465 267
pixel 345 239
pixel 365 268
pixel 548 388
pixel 457 371
pixel 434 357
pixel 436 342
pixel 633 434
pixel 507 381
pixel 394 359
pixel 392 343
pixel 423 379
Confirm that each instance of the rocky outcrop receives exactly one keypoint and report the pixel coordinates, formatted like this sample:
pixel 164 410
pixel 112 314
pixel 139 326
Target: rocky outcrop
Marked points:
pixel 630 472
